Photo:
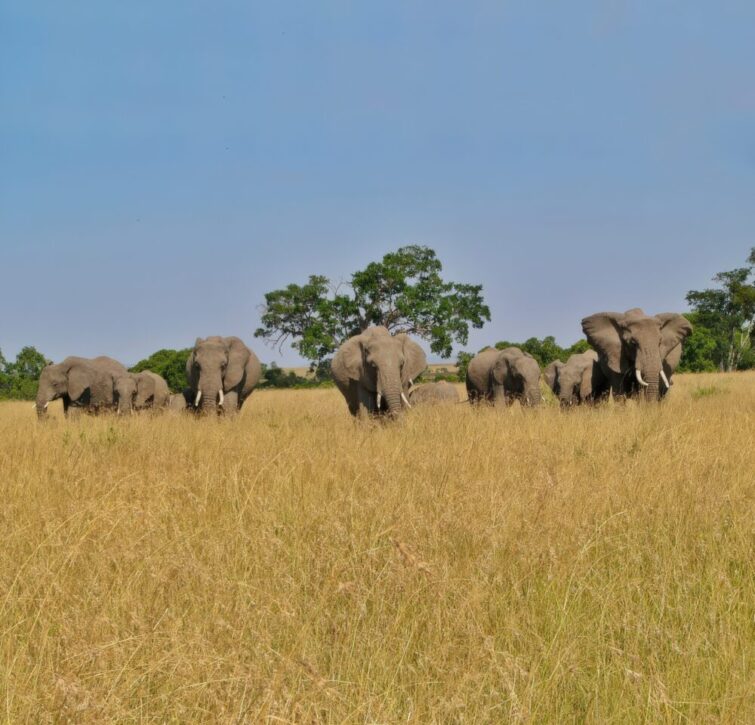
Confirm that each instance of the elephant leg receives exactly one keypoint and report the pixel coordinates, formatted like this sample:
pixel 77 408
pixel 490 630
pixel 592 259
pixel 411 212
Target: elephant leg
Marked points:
pixel 231 403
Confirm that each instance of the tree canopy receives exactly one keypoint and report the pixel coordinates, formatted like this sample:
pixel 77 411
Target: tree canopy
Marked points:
pixel 19 379
pixel 726 317
pixel 404 292
pixel 171 364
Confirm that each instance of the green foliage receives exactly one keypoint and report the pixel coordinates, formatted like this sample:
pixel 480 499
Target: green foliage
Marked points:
pixel 171 364
pixel 19 379
pixel 462 363
pixel 276 377
pixel 699 349
pixel 727 314
pixel 547 350
pixel 404 292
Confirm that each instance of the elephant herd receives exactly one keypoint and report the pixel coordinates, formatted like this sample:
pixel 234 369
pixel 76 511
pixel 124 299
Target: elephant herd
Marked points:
pixel 221 373
pixel 633 355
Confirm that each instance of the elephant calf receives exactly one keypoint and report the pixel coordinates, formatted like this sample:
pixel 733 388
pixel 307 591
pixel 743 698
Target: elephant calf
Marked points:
pixel 433 393
pixel 503 376
pixel 578 380
pixel 140 391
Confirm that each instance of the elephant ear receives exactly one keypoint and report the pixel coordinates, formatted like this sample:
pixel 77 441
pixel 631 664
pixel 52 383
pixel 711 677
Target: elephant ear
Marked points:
pixel 415 360
pixel 350 356
pixel 79 379
pixel 586 382
pixel 674 329
pixel 238 355
pixel 550 374
pixel 603 333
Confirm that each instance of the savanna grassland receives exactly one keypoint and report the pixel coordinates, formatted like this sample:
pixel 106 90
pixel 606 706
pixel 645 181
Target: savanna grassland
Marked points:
pixel 457 566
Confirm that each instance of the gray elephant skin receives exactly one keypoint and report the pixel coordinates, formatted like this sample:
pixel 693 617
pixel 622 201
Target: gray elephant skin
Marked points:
pixel 374 371
pixel 221 374
pixel 503 376
pixel 84 383
pixel 141 391
pixel 638 353
pixel 577 381
pixel 433 393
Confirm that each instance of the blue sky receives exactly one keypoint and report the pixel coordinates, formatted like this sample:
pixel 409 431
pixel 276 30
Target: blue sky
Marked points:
pixel 165 164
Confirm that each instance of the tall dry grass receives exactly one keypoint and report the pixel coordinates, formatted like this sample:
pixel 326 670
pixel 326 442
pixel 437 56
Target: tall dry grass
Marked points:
pixel 459 565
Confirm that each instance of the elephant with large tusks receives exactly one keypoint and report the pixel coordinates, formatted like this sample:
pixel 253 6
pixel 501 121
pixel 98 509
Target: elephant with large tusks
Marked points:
pixel 222 372
pixel 81 383
pixel 433 393
pixel 638 353
pixel 578 380
pixel 503 376
pixel 374 371
pixel 140 391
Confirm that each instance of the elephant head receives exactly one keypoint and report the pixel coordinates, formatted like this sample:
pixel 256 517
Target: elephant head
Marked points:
pixel 151 391
pixel 125 393
pixel 383 365
pixel 519 375
pixel 215 366
pixel 54 384
pixel 633 346
pixel 573 381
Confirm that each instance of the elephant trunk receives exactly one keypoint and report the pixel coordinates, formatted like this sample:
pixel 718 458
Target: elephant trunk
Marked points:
pixel 648 375
pixel 389 388
pixel 44 396
pixel 532 395
pixel 211 392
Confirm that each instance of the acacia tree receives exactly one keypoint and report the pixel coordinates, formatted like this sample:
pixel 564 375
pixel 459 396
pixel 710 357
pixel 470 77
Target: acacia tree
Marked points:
pixel 404 292
pixel 728 313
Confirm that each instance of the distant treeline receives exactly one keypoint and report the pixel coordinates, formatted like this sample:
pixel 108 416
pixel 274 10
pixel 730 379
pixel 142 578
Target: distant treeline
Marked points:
pixel 406 293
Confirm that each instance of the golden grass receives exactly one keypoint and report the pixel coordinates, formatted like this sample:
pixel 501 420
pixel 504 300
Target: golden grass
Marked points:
pixel 458 565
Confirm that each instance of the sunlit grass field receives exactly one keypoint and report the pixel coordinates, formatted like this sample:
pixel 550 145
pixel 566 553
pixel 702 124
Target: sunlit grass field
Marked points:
pixel 458 565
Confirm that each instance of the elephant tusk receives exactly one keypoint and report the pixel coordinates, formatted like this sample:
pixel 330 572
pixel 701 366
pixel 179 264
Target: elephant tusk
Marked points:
pixel 220 402
pixel 405 399
pixel 665 379
pixel 379 399
pixel 46 404
pixel 198 398
pixel 639 378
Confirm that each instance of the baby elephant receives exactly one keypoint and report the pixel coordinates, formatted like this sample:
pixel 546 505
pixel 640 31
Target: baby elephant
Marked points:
pixel 503 376
pixel 433 393
pixel 140 391
pixel 578 380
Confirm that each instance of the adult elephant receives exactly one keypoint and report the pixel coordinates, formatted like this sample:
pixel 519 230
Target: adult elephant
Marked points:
pixel 432 393
pixel 503 376
pixel 638 353
pixel 221 372
pixel 139 391
pixel 374 370
pixel 578 380
pixel 81 383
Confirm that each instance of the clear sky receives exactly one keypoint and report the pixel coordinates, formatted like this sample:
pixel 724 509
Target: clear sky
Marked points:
pixel 163 164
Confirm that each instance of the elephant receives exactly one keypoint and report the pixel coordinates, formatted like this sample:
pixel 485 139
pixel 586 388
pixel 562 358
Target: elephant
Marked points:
pixel 502 376
pixel 81 383
pixel 432 393
pixel 578 380
pixel 180 402
pixel 374 371
pixel 221 372
pixel 637 353
pixel 139 391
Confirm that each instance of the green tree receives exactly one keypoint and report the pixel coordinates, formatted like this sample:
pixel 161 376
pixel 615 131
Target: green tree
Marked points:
pixel 462 363
pixel 404 291
pixel 547 350
pixel 727 312
pixel 171 364
pixel 19 380
pixel 699 349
